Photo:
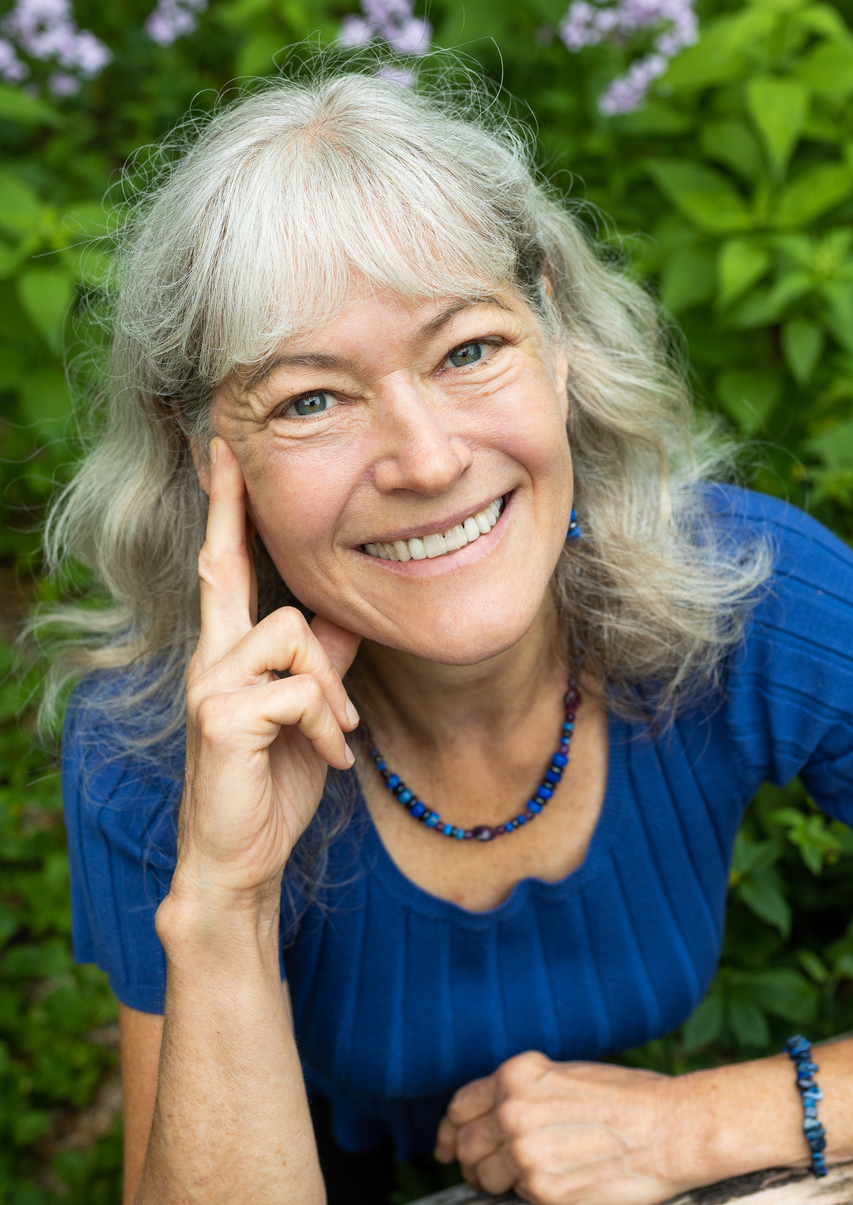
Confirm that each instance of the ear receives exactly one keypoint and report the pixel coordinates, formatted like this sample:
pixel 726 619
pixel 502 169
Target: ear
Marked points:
pixel 201 460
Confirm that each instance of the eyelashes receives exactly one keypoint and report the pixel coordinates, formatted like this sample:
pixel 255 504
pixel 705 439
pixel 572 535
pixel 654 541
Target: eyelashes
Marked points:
pixel 316 403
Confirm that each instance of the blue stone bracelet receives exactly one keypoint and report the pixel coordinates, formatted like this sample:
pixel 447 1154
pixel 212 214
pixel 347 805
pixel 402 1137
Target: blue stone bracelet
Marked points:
pixel 800 1050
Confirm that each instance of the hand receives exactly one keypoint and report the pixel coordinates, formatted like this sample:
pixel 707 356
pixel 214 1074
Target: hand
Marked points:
pixel 567 1133
pixel 258 745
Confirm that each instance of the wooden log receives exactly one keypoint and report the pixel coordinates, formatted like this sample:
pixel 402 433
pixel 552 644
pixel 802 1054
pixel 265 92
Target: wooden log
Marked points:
pixel 775 1186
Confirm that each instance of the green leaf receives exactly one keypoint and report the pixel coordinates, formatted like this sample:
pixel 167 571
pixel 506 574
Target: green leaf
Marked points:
pixel 802 343
pixel 722 52
pixel 823 19
pixel 733 144
pixel 813 193
pixel 834 446
pixel 747 1022
pixel 781 991
pixel 704 1023
pixel 750 856
pixel 839 296
pixel 813 966
pixel 20 206
pixel 748 397
pixel 778 107
pixel 703 194
pixel 19 106
pixel 829 71
pixel 46 295
pixel 741 263
pixel 762 895
pixel 687 278
pixel 30 1125
pixel 45 401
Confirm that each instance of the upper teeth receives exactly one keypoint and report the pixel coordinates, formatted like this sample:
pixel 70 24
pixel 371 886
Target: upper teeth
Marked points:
pixel 421 547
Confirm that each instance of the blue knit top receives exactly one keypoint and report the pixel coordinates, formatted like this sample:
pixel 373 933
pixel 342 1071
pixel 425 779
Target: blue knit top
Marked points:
pixel 400 997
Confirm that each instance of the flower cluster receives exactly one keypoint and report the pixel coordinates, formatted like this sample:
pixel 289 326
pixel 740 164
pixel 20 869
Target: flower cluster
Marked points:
pixel 393 22
pixel 173 19
pixel 45 30
pixel 588 24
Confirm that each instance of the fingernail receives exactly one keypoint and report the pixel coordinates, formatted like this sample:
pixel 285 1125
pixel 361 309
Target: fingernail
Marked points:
pixel 348 754
pixel 352 714
pixel 211 451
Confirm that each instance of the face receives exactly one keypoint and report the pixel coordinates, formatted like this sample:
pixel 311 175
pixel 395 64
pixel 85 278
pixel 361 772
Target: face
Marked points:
pixel 408 470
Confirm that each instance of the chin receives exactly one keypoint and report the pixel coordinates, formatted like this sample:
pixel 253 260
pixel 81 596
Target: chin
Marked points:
pixel 463 640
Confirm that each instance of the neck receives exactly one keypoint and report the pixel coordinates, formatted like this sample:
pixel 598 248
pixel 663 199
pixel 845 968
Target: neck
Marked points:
pixel 440 706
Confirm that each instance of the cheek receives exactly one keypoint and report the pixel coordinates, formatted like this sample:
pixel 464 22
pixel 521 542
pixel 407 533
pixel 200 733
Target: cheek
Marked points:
pixel 292 509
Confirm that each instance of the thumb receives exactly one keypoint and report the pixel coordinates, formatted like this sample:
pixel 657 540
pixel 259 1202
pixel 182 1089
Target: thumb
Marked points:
pixel 340 645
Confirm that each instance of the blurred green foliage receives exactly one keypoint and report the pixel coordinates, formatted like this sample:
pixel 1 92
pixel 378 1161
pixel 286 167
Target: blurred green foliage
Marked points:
pixel 732 194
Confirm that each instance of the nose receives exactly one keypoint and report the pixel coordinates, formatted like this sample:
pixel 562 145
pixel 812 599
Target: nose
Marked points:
pixel 417 448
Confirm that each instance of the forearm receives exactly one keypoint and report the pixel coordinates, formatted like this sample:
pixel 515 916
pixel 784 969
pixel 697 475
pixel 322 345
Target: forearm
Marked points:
pixel 231 1122
pixel 748 1116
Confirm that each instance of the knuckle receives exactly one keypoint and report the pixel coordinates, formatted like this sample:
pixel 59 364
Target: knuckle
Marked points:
pixel 523 1152
pixel 511 1115
pixel 538 1189
pixel 210 716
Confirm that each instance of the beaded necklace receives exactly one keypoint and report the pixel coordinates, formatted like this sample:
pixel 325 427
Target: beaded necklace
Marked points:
pixel 484 832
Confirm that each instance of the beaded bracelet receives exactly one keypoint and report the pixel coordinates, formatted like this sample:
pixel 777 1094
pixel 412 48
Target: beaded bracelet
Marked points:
pixel 800 1050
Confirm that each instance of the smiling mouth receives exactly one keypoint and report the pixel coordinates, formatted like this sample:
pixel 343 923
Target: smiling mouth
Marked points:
pixel 421 548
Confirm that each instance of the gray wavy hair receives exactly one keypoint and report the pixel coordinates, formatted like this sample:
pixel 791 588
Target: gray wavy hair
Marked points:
pixel 246 233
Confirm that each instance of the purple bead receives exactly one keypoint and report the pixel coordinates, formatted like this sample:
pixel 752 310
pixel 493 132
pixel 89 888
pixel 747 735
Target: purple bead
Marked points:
pixel 468 834
pixel 528 815
pixel 482 832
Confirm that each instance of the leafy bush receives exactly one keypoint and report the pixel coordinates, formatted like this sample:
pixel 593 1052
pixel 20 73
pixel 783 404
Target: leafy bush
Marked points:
pixel 732 190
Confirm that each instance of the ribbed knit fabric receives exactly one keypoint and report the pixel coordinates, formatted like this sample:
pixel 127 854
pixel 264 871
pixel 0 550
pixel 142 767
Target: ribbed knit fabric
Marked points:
pixel 401 997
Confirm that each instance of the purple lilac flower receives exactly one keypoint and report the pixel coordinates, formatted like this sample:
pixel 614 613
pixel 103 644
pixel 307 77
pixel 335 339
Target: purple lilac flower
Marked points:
pixel 173 19
pixel 12 69
pixel 393 22
pixel 62 84
pixel 46 30
pixel 588 24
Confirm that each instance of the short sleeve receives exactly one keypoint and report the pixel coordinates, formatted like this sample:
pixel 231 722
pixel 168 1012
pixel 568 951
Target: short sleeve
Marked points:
pixel 120 821
pixel 789 697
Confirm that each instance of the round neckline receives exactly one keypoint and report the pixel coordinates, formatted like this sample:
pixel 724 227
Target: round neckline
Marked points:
pixel 386 870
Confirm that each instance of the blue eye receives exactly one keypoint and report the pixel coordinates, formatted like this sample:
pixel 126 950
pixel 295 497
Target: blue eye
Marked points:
pixel 466 353
pixel 310 404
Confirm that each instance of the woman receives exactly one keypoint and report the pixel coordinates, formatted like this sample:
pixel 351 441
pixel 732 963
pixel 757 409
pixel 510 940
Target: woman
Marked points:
pixel 452 521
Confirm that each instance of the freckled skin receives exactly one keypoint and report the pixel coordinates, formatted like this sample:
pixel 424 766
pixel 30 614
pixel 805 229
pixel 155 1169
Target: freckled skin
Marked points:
pixel 407 439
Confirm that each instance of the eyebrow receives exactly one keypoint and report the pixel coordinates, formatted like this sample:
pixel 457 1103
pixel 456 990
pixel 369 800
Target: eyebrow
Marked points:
pixel 322 359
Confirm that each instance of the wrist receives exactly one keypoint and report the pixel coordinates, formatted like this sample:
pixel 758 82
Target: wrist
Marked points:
pixel 194 917
pixel 742 1118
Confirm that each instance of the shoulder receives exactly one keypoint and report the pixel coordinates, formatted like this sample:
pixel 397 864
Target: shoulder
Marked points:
pixel 789 687
pixel 117 785
pixel 799 544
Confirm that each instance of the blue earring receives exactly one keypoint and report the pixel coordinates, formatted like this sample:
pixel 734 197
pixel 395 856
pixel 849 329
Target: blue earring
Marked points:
pixel 574 532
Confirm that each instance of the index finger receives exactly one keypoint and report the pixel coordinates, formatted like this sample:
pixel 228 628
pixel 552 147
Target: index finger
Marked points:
pixel 224 563
pixel 472 1101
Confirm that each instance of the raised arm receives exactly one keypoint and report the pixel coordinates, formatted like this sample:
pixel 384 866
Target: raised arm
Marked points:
pixel 231 1120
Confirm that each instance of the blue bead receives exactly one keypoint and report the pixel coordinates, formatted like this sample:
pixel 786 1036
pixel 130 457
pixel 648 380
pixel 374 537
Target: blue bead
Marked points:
pixel 393 781
pixel 459 834
pixel 553 776
pixel 381 765
pixel 432 820
pixel 560 760
pixel 534 806
pixel 544 792
pixel 448 830
pixel 521 820
pixel 812 1124
pixel 813 1093
pixel 405 796
pixel 418 810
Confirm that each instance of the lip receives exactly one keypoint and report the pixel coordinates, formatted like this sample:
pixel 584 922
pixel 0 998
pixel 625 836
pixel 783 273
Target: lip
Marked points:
pixel 438 528
pixel 435 565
